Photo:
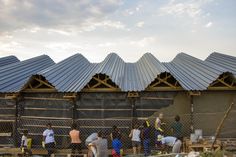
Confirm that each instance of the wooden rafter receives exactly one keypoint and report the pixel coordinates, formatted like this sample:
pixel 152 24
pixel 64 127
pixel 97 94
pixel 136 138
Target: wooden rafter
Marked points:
pixel 164 81
pixel 101 82
pixel 38 83
pixel 224 81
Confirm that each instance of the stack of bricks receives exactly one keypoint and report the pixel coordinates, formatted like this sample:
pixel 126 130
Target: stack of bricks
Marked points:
pixel 229 143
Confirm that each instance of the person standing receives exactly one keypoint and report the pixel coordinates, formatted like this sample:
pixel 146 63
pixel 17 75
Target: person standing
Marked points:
pixel 135 138
pixel 49 140
pixel 115 133
pixel 176 128
pixel 24 143
pixel 158 130
pixel 146 138
pixel 116 145
pixel 101 146
pixel 75 139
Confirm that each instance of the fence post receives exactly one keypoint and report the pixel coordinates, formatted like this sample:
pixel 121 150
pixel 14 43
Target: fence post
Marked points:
pixel 132 99
pixel 15 132
pixel 191 114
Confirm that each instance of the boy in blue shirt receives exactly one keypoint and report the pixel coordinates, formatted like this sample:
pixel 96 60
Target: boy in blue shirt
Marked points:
pixel 116 145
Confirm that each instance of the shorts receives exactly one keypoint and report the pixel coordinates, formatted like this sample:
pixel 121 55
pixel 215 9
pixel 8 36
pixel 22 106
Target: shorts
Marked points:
pixel 75 146
pixel 50 147
pixel 136 143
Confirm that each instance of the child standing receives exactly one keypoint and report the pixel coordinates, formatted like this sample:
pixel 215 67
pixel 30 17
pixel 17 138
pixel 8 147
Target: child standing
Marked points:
pixel 75 139
pixel 49 140
pixel 116 145
pixel 146 138
pixel 135 138
pixel 24 142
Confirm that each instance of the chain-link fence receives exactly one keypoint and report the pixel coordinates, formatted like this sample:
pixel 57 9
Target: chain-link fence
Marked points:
pixel 93 113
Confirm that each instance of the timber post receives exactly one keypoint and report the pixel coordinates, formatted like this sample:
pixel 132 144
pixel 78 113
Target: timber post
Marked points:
pixel 192 94
pixel 15 98
pixel 132 99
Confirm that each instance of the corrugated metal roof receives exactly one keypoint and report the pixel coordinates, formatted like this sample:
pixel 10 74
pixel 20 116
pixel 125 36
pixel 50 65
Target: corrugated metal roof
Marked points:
pixel 193 73
pixel 73 73
pixel 140 74
pixel 8 60
pixel 70 74
pixel 223 60
pixel 14 76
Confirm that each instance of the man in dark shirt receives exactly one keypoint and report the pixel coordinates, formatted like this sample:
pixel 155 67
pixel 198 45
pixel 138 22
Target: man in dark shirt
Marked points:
pixel 176 128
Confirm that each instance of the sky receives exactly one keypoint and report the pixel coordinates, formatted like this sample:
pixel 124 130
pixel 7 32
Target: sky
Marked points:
pixel 130 28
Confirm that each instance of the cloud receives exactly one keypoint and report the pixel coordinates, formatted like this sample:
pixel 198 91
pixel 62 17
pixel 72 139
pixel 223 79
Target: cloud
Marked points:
pixel 106 44
pixel 140 24
pixel 55 14
pixel 62 46
pixel 146 41
pixel 191 8
pixel 106 24
pixel 209 24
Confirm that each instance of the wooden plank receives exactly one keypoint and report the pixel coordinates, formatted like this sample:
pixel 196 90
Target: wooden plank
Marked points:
pixel 43 126
pixel 7 115
pixel 99 109
pixel 44 98
pixel 2 120
pixel 101 90
pixel 156 98
pixel 100 127
pixel 36 117
pixel 46 109
pixel 106 119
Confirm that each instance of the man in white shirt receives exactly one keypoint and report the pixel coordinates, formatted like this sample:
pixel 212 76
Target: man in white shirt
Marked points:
pixel 172 142
pixel 48 139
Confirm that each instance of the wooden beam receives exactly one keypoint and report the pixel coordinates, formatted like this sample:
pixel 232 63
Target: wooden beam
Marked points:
pixel 221 123
pixel 165 89
pixel 194 93
pixel 45 83
pixel 11 96
pixel 101 90
pixel 40 90
pixel 99 109
pixel 133 94
pixel 223 82
pixel 160 80
pixel 156 98
pixel 105 83
pixel 221 88
pixel 46 109
pixel 99 83
pixel 51 118
pixel 43 98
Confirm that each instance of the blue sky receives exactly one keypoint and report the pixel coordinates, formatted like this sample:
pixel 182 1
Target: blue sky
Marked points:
pixel 164 28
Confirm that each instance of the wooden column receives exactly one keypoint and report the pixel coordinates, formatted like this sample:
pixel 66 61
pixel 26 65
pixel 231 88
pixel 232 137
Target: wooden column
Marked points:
pixel 73 99
pixel 132 96
pixel 16 123
pixel 191 114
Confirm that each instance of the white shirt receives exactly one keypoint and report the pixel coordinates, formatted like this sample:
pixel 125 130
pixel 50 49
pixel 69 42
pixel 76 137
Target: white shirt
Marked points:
pixel 136 135
pixel 49 134
pixel 169 141
pixel 24 141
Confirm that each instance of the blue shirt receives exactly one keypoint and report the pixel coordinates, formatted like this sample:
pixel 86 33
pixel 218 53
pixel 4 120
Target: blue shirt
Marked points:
pixel 169 140
pixel 117 145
